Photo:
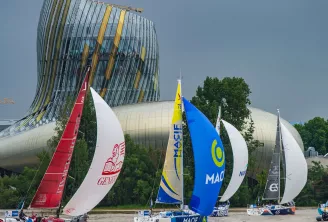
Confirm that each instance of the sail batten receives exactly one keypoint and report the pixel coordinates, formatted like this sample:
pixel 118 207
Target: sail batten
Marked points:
pixel 50 191
pixel 106 164
pixel 240 160
pixel 170 190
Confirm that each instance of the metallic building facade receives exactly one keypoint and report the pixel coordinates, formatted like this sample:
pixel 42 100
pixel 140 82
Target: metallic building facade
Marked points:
pixel 120 46
pixel 148 124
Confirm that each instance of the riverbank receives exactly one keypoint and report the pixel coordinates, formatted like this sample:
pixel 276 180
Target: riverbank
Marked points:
pixel 109 210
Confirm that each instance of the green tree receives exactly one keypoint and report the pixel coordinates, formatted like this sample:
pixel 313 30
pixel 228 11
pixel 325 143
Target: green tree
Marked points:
pixel 314 133
pixel 139 178
pixel 315 190
pixel 84 146
pixel 233 95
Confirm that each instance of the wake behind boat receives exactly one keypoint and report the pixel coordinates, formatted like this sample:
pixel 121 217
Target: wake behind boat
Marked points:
pixel 294 171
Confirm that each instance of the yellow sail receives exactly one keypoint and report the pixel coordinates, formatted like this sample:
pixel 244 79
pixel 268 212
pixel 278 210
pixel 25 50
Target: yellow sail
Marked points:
pixel 170 190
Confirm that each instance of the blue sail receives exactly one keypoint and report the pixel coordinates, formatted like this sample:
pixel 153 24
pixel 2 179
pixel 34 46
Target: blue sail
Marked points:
pixel 209 160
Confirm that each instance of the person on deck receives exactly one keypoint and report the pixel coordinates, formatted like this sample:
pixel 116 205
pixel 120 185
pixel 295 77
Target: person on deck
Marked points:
pixel 22 216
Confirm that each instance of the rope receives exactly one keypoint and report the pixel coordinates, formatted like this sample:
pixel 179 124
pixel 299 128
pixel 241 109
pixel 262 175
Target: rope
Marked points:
pixel 38 170
pixel 159 162
pixel 34 178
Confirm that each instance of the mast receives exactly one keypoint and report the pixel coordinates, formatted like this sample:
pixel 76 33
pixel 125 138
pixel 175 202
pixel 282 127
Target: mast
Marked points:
pixel 182 191
pixel 283 158
pixel 279 131
pixel 218 121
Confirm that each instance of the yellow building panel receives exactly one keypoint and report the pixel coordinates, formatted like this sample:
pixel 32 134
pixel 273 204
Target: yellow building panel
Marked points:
pixel 103 92
pixel 117 39
pixel 100 38
pixel 141 96
pixel 136 82
pixel 40 116
pixel 110 66
pixel 85 54
pixel 104 23
pixel 119 29
pixel 23 123
pixel 143 53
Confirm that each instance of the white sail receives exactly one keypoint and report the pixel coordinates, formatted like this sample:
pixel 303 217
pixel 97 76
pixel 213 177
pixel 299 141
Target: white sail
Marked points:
pixel 240 160
pixel 296 166
pixel 106 164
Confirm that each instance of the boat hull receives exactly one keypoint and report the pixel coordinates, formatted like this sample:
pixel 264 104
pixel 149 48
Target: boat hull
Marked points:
pixel 171 219
pixel 284 211
pixel 144 216
pixel 323 217
pixel 220 212
pixel 322 208
pixel 271 210
pixel 259 212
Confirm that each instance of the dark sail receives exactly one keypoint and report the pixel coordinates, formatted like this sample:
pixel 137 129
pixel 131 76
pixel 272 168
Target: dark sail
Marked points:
pixel 272 187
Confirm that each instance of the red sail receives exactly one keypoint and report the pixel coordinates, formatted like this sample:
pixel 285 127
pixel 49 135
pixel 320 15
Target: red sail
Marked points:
pixel 50 191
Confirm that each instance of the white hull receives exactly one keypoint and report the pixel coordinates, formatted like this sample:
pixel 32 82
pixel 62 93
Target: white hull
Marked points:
pixel 151 219
pixel 144 216
pixel 10 220
pixel 258 211
pixel 220 211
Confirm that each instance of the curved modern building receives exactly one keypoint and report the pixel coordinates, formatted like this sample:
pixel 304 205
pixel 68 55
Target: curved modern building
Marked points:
pixel 148 124
pixel 122 49
pixel 120 46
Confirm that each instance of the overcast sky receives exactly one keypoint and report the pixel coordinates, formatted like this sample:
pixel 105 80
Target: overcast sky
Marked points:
pixel 279 47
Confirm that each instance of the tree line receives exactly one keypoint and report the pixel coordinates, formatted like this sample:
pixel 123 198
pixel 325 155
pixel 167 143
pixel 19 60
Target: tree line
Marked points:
pixel 139 179
pixel 314 133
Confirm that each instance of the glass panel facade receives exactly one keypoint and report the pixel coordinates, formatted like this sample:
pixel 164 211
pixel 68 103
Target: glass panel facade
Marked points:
pixel 125 61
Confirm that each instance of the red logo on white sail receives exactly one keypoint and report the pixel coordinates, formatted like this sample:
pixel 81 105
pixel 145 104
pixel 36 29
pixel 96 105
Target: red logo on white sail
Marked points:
pixel 69 210
pixel 114 163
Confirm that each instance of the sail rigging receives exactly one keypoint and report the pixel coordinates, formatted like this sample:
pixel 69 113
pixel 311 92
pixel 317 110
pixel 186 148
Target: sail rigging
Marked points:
pixel 171 185
pixel 209 160
pixel 106 163
pixel 50 191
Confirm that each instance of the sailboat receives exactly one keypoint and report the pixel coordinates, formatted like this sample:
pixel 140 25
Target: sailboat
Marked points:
pixel 209 167
pixel 288 152
pixel 240 163
pixel 323 212
pixel 104 169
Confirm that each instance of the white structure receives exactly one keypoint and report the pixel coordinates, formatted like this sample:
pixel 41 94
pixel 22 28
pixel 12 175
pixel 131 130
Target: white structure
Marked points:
pixel 147 124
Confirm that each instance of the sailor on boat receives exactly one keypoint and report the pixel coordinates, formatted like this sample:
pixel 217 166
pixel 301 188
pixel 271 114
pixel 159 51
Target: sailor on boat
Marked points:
pixel 22 216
